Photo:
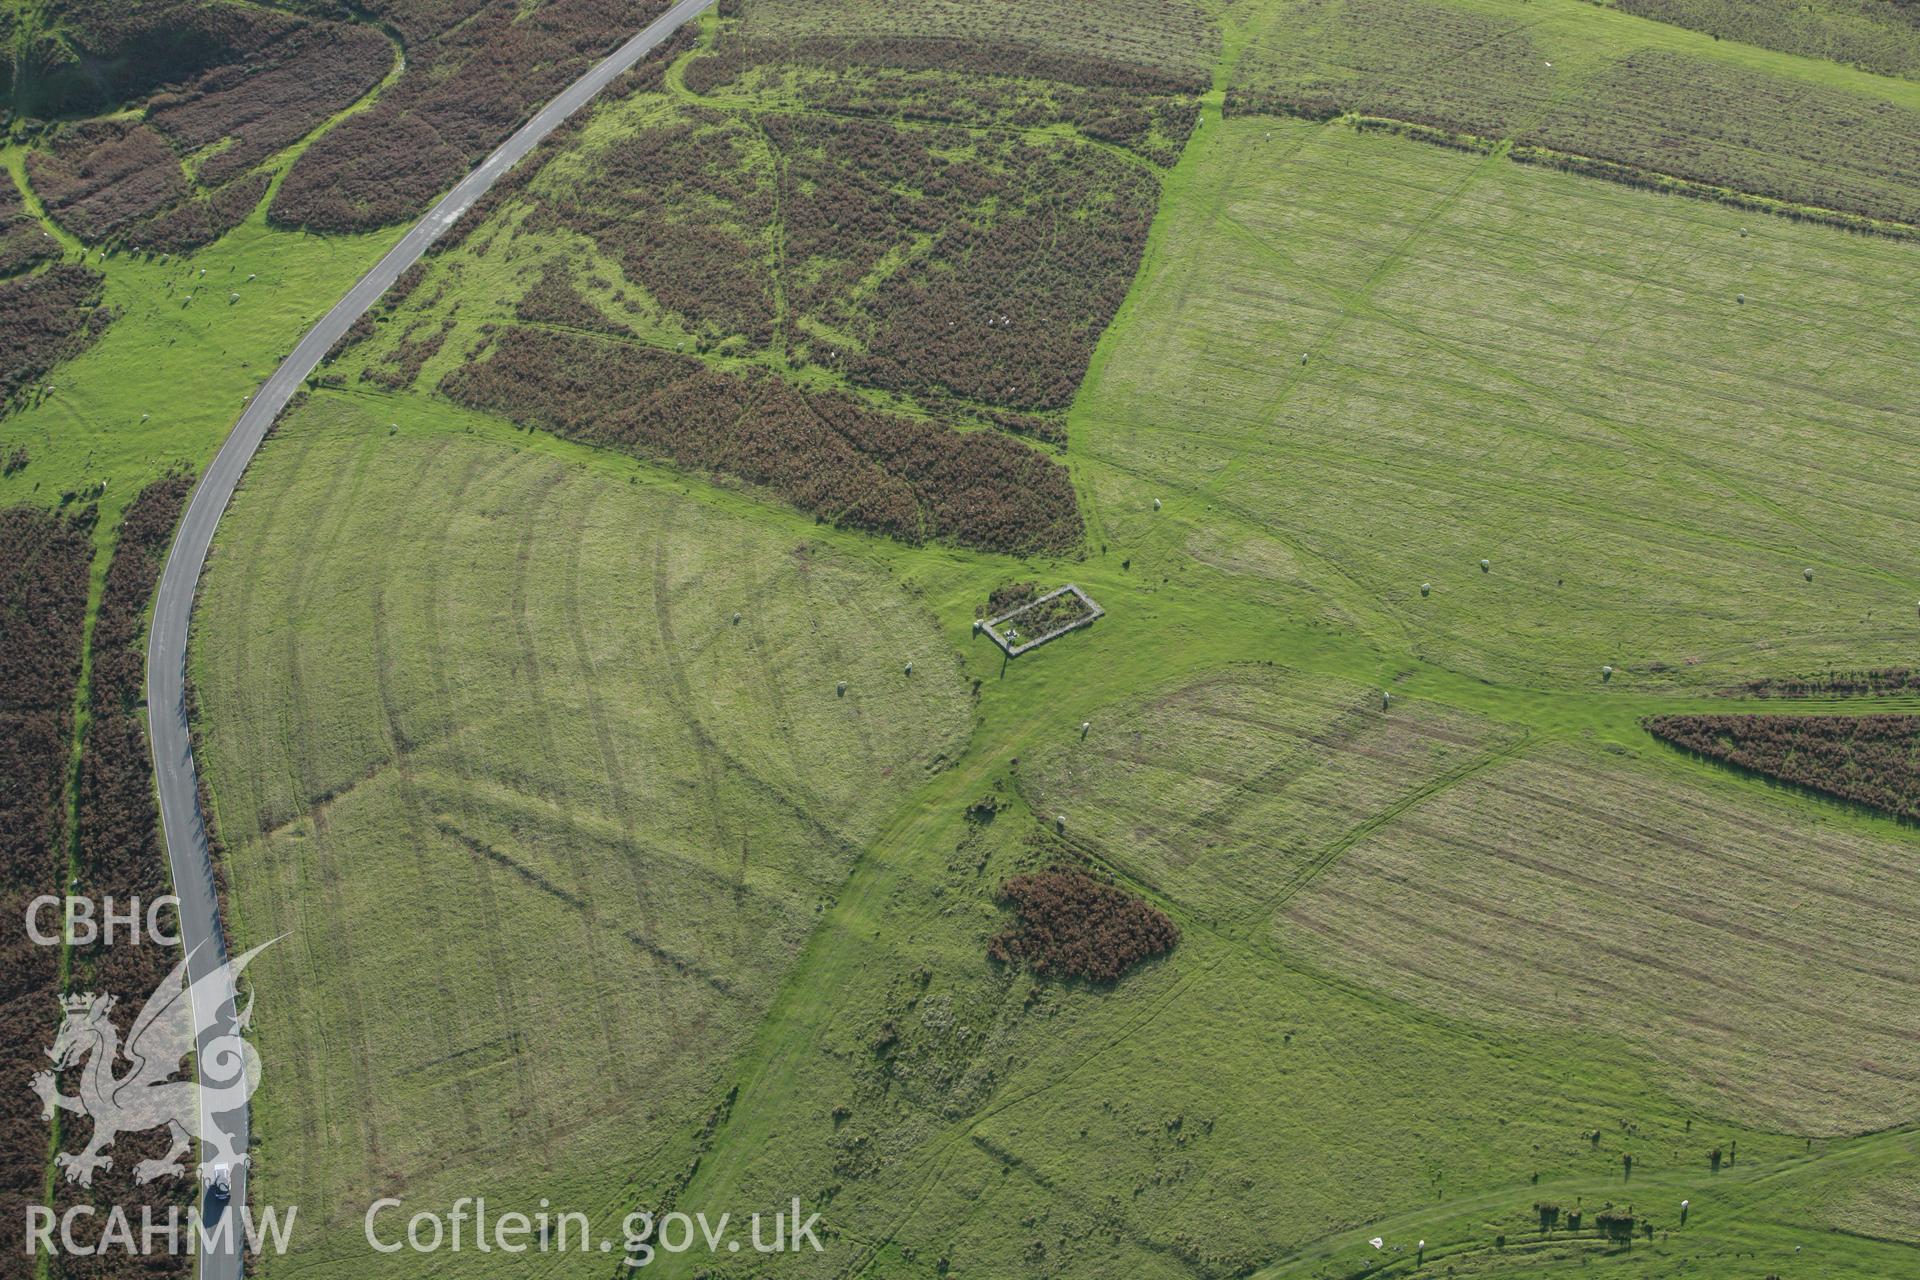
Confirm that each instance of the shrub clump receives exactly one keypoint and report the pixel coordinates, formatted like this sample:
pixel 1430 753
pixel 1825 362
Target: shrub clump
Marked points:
pixel 1044 618
pixel 1073 925
pixel 1871 760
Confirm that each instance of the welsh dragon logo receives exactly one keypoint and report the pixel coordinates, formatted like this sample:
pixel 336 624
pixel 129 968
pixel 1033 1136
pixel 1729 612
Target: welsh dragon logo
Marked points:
pixel 148 1094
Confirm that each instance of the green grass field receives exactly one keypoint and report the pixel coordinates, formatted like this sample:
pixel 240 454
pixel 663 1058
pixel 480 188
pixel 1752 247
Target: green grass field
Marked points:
pixel 524 762
pixel 488 745
pixel 1503 363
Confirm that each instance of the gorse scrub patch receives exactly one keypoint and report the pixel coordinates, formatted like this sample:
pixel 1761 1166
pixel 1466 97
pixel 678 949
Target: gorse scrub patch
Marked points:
pixel 1073 925
pixel 1871 760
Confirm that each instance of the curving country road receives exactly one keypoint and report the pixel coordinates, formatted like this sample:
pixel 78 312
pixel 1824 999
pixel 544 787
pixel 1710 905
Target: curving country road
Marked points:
pixel 173 768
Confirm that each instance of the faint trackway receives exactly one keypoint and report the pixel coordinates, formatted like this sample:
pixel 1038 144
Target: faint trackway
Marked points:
pixel 173 765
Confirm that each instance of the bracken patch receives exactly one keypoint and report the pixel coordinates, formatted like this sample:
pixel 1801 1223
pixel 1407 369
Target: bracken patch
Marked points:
pixel 476 69
pixel 825 452
pixel 118 850
pixel 1870 760
pixel 1073 925
pixel 1878 682
pixel 1652 113
pixel 44 562
pixel 44 319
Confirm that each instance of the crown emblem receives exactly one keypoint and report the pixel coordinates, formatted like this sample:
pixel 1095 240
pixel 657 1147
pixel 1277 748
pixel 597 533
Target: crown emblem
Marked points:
pixel 78 1004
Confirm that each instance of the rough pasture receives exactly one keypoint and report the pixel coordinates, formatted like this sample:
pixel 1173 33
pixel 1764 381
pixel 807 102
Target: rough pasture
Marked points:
pixel 693 795
pixel 1643 101
pixel 1447 416
pixel 1760 955
pixel 1225 792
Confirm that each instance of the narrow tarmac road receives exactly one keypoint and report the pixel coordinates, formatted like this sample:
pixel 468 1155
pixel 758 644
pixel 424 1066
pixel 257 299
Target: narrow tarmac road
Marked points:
pixel 173 766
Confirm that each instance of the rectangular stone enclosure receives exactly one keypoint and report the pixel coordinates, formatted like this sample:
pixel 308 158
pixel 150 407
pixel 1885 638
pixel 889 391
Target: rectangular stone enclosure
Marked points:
pixel 1036 622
